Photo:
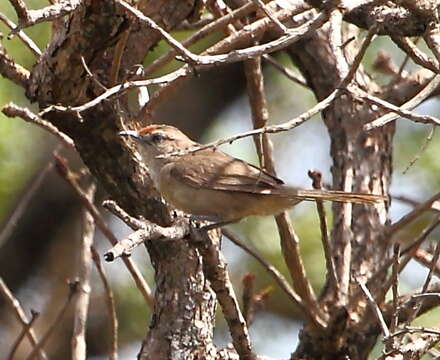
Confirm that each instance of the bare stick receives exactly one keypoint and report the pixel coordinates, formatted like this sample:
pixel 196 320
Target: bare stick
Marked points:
pixel 299 120
pixel 432 38
pixel 291 36
pixel 148 232
pixel 110 301
pixel 416 54
pixel 316 176
pixel 252 302
pixel 21 207
pixel 117 90
pixel 31 17
pixel 288 238
pixel 73 290
pixel 422 149
pixel 285 71
pixel 26 39
pixel 410 104
pixel 389 343
pixel 11 70
pixel 209 28
pixel 168 79
pixel 269 14
pixel 432 266
pixel 23 333
pixel 145 231
pixel 335 41
pixel 425 258
pixel 141 284
pixel 425 119
pixel 20 8
pixel 84 270
pixel 409 251
pixel 412 215
pixel 19 313
pixel 279 279
pixel 132 222
pixel 13 110
pixel 407 200
pixel 375 308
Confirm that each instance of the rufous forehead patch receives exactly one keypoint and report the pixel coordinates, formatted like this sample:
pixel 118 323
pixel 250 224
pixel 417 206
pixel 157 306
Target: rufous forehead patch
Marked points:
pixel 148 129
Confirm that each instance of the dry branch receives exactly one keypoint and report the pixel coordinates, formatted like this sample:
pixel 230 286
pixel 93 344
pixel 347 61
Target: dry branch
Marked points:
pixel 19 313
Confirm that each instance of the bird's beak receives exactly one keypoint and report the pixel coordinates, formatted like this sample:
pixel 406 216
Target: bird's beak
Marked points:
pixel 131 133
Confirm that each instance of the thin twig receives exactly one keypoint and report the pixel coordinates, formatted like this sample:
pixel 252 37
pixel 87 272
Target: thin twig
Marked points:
pixel 209 28
pixel 19 313
pixel 111 307
pixel 409 251
pixel 375 308
pixel 117 57
pixel 130 221
pixel 285 71
pixel 12 110
pixel 117 90
pixel 31 17
pixel 148 232
pixel 416 54
pixel 390 344
pixel 401 69
pixel 84 270
pixel 252 301
pixel 269 14
pixel 409 105
pixel 424 258
pixel 23 333
pixel 335 42
pixel 92 76
pixel 422 149
pixel 405 199
pixel 291 36
pixel 73 290
pixel 22 204
pixel 434 262
pixel 278 277
pixel 299 120
pixel 11 70
pixel 424 119
pixel 144 231
pixel 141 284
pixel 316 176
pixel 26 39
pixel 196 25
pixel 288 238
pixel 227 45
pixel 412 215
pixel 247 298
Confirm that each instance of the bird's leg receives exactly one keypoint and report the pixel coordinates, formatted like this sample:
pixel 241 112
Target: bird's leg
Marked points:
pixel 216 222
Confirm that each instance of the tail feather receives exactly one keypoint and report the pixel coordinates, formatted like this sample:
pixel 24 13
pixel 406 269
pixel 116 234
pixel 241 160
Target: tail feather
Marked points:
pixel 339 196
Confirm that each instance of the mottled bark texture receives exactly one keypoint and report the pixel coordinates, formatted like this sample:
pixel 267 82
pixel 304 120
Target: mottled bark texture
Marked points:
pixel 182 323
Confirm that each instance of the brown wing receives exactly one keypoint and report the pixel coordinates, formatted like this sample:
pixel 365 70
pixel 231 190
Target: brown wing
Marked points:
pixel 227 173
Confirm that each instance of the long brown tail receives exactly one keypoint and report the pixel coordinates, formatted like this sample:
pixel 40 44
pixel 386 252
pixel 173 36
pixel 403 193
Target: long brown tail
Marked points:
pixel 339 196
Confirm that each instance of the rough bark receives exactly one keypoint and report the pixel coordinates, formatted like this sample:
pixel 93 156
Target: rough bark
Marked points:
pixel 185 305
pixel 361 163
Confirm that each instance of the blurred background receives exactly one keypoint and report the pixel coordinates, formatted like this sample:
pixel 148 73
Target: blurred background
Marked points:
pixel 40 217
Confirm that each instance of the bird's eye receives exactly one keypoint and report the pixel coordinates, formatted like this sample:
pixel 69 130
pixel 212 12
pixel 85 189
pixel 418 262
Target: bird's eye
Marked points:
pixel 157 137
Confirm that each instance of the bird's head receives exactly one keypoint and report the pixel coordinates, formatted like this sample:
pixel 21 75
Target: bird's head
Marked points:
pixel 155 140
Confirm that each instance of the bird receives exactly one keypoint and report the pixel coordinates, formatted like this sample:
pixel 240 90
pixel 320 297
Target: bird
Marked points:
pixel 212 185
